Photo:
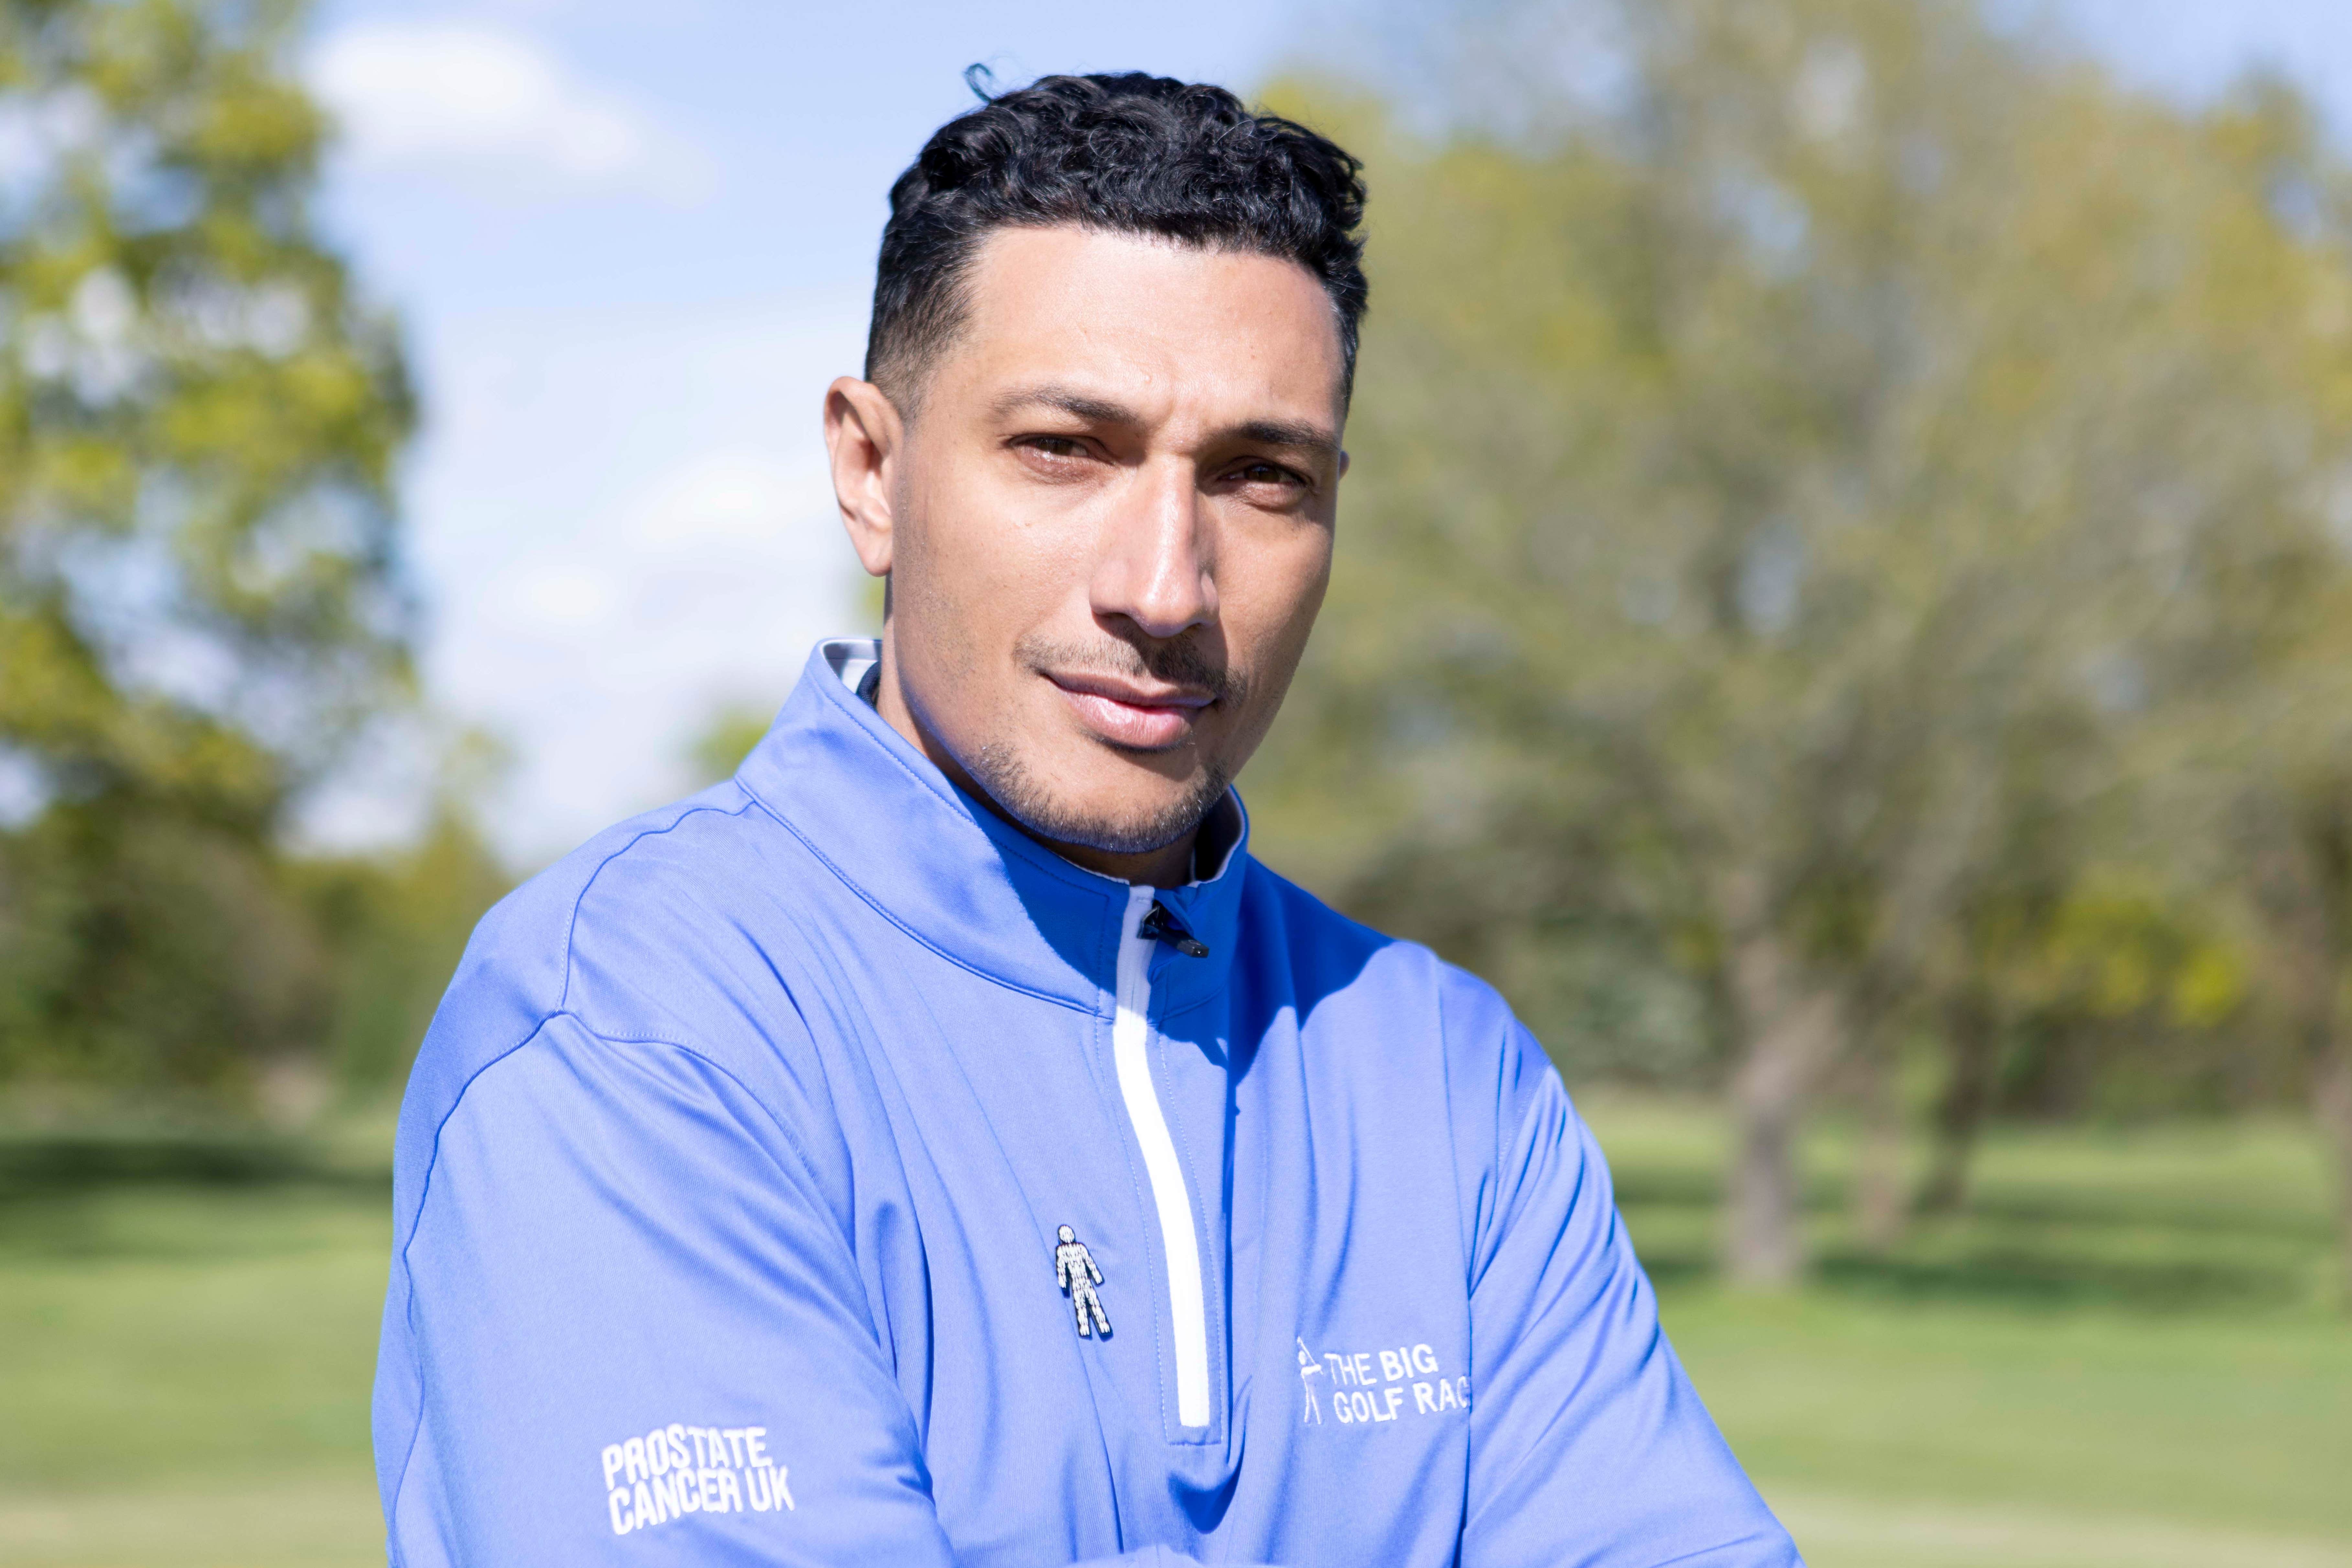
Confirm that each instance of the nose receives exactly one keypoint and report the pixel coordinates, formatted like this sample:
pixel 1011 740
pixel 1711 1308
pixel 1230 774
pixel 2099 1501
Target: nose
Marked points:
pixel 1154 567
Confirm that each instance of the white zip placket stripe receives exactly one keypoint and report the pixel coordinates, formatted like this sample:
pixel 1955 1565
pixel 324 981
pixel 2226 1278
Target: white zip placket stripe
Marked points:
pixel 1129 1043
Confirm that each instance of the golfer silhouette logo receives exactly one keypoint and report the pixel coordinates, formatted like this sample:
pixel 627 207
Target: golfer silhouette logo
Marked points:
pixel 1309 1369
pixel 1075 1272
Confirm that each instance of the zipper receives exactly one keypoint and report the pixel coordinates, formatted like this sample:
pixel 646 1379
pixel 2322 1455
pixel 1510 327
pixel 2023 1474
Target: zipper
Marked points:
pixel 1130 1039
pixel 1161 925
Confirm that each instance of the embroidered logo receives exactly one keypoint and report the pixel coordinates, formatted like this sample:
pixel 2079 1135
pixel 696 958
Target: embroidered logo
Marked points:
pixel 1367 1386
pixel 1075 1272
pixel 677 1469
pixel 1309 1371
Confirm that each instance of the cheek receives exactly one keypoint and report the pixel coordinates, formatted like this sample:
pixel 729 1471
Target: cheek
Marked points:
pixel 966 548
pixel 980 571
pixel 1271 596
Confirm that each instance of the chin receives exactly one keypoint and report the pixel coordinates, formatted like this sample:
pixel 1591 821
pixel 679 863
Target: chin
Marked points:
pixel 1129 816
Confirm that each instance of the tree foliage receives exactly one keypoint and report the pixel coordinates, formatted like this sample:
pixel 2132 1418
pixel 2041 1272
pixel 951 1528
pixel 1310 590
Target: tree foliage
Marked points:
pixel 200 597
pixel 1817 462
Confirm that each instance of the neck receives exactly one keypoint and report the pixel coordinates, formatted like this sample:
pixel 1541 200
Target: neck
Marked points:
pixel 1169 866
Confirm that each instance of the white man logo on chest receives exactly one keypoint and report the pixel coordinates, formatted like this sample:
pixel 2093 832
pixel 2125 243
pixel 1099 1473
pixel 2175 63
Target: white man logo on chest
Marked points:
pixel 1076 1274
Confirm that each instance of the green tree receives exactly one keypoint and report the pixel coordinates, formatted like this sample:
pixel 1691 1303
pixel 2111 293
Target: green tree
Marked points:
pixel 2285 785
pixel 1786 433
pixel 393 927
pixel 200 598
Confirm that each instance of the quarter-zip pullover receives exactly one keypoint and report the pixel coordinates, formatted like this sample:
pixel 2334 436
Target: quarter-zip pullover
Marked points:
pixel 731 1179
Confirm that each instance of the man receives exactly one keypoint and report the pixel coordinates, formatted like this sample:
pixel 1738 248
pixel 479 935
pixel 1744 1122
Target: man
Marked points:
pixel 747 1167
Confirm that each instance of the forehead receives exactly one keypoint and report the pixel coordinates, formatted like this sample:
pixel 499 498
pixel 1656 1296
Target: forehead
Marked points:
pixel 1163 321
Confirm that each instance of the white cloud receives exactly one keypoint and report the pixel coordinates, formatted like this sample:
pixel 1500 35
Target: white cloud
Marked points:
pixel 600 645
pixel 559 596
pixel 728 497
pixel 621 520
pixel 489 105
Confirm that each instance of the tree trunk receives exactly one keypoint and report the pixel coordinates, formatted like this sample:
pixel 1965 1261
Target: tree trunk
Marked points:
pixel 1787 1030
pixel 2331 1101
pixel 1972 1036
pixel 1881 1206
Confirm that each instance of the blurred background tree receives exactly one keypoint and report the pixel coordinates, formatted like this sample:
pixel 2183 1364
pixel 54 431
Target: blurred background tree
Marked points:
pixel 1818 462
pixel 201 599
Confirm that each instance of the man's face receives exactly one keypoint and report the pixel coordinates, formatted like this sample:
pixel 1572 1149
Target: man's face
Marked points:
pixel 1107 529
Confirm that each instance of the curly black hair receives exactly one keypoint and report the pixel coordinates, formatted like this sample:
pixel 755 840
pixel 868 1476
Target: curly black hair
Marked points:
pixel 1129 154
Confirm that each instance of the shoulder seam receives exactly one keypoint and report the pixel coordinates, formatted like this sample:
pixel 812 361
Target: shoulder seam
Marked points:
pixel 571 922
pixel 408 1304
pixel 433 1160
pixel 707 1061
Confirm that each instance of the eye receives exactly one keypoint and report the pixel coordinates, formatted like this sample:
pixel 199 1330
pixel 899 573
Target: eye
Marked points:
pixel 1259 471
pixel 1061 446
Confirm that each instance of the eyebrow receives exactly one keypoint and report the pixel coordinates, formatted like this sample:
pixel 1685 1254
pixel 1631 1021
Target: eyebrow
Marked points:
pixel 1292 433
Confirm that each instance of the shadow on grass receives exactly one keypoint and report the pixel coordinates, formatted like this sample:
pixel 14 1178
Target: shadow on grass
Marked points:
pixel 48 1165
pixel 177 1195
pixel 2017 1278
pixel 2020 1279
pixel 2137 1251
pixel 2164 1210
pixel 1701 1190
pixel 1639 1188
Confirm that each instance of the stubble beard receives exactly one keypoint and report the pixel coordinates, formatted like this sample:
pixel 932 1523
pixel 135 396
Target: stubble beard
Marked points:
pixel 1000 769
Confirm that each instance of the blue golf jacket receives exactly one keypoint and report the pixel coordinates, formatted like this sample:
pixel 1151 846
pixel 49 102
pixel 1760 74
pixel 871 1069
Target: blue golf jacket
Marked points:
pixel 822 1171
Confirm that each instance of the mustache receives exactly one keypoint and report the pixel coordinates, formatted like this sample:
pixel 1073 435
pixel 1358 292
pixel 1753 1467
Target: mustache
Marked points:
pixel 1179 661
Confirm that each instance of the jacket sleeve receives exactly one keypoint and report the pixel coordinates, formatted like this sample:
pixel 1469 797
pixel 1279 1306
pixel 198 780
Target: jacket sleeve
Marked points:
pixel 639 1334
pixel 1587 1444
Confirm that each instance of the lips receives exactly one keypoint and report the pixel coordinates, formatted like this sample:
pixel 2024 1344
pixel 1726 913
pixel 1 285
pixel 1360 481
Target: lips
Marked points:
pixel 1127 713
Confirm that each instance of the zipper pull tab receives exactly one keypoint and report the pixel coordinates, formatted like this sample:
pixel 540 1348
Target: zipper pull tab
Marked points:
pixel 1162 926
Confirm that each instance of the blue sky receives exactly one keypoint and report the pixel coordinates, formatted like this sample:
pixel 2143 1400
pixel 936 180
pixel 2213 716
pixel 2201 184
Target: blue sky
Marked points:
pixel 631 245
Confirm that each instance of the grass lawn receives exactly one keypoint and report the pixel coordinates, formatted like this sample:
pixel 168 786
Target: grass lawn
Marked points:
pixel 2129 1352
pixel 188 1335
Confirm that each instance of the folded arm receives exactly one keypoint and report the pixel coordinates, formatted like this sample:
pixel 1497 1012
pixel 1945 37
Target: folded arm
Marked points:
pixel 1587 1443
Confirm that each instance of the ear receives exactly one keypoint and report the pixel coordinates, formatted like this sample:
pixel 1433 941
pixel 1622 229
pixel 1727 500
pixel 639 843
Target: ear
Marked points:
pixel 863 438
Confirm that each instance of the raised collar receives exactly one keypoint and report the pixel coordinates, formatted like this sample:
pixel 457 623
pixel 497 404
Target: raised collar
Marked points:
pixel 952 874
